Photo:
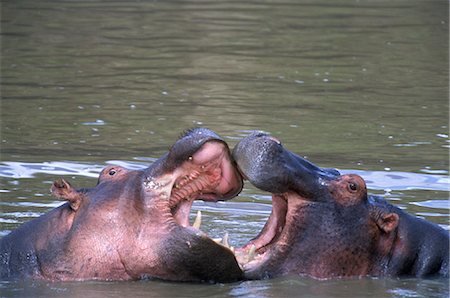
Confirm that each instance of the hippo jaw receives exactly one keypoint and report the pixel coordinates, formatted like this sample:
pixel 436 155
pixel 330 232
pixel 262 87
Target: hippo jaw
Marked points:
pixel 199 166
pixel 296 186
pixel 274 241
pixel 207 175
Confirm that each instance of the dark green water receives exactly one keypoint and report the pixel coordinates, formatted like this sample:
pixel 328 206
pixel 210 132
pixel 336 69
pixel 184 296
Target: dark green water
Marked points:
pixel 357 85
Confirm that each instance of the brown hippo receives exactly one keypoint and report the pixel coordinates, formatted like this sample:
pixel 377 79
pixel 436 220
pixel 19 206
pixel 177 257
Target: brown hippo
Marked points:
pixel 133 224
pixel 324 224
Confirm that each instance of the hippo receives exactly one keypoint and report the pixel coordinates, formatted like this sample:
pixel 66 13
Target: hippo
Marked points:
pixel 133 224
pixel 324 225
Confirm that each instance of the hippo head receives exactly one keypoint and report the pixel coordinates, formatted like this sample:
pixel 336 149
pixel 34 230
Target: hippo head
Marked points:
pixel 197 166
pixel 322 223
pixel 137 221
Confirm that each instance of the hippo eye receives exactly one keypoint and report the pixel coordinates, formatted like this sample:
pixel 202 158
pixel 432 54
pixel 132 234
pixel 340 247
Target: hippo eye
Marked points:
pixel 352 187
pixel 112 172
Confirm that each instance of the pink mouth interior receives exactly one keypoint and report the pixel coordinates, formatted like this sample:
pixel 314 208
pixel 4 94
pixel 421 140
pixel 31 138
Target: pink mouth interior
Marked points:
pixel 207 175
pixel 211 176
pixel 274 233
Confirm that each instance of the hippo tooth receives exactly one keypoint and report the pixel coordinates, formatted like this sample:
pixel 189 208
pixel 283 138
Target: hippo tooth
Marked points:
pixel 217 240
pixel 198 220
pixel 251 253
pixel 225 240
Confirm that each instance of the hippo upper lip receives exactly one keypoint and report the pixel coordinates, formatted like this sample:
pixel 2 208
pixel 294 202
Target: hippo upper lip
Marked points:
pixel 266 164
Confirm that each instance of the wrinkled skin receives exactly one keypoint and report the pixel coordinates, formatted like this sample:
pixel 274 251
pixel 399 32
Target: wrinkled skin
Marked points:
pixel 324 224
pixel 133 224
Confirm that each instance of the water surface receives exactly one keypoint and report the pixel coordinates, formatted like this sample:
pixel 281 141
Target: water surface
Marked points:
pixel 361 86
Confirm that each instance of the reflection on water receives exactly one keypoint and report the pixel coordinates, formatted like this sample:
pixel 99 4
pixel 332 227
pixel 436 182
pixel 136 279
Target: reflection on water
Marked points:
pixel 357 85
pixel 280 287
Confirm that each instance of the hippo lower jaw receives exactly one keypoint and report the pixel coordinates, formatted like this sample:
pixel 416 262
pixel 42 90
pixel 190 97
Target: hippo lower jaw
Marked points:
pixel 274 237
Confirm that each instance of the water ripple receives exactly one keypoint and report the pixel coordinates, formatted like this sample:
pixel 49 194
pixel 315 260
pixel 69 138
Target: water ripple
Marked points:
pixel 11 169
pixel 433 204
pixel 391 180
pixel 377 180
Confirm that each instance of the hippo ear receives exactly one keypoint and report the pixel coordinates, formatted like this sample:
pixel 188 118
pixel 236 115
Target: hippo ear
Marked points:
pixel 63 190
pixel 387 222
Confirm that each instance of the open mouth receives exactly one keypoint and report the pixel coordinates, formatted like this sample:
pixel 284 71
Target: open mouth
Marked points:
pixel 274 234
pixel 209 175
pixel 291 180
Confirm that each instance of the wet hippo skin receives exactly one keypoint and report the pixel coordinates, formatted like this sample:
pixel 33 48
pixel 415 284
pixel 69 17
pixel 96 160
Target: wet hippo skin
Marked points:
pixel 325 225
pixel 132 224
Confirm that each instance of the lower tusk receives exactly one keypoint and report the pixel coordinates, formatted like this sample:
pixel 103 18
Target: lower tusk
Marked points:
pixel 251 253
pixel 198 220
pixel 225 240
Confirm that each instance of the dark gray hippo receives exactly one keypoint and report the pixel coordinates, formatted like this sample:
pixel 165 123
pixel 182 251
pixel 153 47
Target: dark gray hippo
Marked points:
pixel 133 224
pixel 325 225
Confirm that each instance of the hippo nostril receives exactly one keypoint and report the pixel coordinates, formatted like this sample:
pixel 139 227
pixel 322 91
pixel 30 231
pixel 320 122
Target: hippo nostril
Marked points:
pixel 353 186
pixel 112 172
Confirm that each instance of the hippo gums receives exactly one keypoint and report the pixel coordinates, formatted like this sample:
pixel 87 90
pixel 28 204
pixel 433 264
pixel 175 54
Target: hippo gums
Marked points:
pixel 324 224
pixel 134 223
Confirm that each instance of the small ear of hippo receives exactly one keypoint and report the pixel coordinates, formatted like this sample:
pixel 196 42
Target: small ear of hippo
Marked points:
pixel 387 222
pixel 63 190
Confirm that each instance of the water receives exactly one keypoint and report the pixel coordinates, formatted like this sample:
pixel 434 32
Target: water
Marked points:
pixel 357 85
